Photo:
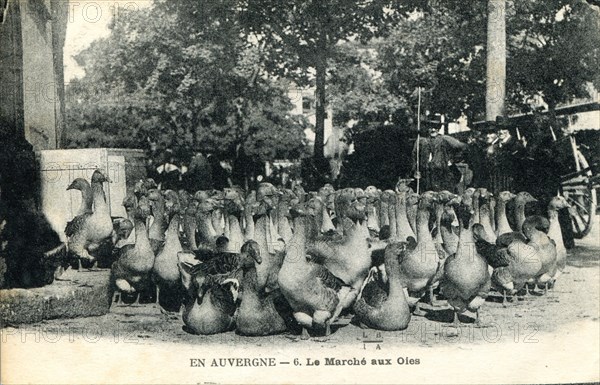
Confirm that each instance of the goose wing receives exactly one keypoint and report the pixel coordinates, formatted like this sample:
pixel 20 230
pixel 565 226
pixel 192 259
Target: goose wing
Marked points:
pixel 76 224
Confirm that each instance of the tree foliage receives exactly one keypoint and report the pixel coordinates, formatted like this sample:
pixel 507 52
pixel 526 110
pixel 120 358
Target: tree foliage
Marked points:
pixel 301 36
pixel 181 74
pixel 210 72
pixel 552 56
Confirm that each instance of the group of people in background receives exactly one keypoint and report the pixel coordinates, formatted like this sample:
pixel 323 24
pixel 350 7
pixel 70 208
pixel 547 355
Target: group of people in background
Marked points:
pixel 192 173
pixel 499 159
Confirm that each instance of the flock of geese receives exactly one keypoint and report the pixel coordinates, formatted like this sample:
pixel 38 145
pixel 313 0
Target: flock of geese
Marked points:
pixel 276 260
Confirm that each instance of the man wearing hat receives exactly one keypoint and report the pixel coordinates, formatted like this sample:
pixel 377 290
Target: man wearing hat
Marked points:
pixel 503 154
pixel 436 156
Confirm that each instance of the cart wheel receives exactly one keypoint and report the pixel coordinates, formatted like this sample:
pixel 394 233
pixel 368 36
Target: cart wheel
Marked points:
pixel 582 211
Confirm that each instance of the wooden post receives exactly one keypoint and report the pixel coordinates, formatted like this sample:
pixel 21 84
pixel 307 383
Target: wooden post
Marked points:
pixel 496 59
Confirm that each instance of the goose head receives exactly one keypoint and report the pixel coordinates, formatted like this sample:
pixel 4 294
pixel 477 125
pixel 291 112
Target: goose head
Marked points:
pixel 201 195
pixel 523 198
pixel 191 208
pixel 372 193
pixel 99 177
pixel 412 200
pixel 142 211
pixel 397 251
pixel 463 208
pixel 250 253
pixel 449 216
pixel 268 196
pixel 172 204
pixel 232 201
pixel 361 195
pixel 444 197
pixel 558 203
pixel 387 196
pixel 184 198
pixel 123 228
pixel 485 196
pixel 206 206
pixel 143 186
pixel 154 195
pixel 250 197
pixel 506 196
pixel 403 185
pixel 299 192
pixel 535 222
pixel 149 184
pixel 468 196
pixel 348 205
pixel 79 184
pixel 129 202
pixel 427 200
pixel 325 191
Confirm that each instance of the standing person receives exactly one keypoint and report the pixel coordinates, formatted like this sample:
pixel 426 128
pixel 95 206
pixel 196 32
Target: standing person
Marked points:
pixel 503 157
pixel 437 154
pixel 551 157
pixel 199 174
pixel 476 159
pixel 220 176
pixel 169 172
pixel 511 153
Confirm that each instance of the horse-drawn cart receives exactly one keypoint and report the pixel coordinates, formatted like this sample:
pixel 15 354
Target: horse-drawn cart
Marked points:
pixel 579 188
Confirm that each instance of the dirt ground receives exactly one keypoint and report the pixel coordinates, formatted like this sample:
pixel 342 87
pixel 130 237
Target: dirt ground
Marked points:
pixel 556 322
pixel 575 297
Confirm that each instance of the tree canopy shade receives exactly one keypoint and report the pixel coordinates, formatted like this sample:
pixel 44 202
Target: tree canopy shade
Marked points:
pixel 181 74
pixel 210 73
pixel 554 51
pixel 301 36
pixel 552 56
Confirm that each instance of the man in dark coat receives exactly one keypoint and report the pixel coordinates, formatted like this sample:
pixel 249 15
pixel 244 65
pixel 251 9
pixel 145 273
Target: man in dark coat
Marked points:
pixel 504 156
pixel 437 154
pixel 199 174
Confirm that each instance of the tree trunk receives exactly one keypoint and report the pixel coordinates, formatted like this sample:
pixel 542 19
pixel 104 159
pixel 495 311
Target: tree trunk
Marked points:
pixel 496 59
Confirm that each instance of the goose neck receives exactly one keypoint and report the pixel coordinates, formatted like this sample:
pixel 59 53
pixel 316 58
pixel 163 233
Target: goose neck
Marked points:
pixel 423 225
pixel 98 196
pixel 204 225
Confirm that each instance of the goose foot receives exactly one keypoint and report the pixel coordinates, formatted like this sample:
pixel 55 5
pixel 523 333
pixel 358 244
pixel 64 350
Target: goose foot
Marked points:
pixel 478 322
pixel 305 334
pixel 418 311
pixel 432 302
pixel 170 315
pixel 530 289
pixel 456 322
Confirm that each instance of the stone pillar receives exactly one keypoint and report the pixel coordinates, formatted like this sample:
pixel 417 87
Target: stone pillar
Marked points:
pixel 31 70
pixel 11 72
pixel 496 59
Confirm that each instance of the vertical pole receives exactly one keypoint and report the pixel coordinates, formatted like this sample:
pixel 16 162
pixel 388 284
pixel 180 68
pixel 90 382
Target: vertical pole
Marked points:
pixel 418 140
pixel 496 59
